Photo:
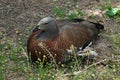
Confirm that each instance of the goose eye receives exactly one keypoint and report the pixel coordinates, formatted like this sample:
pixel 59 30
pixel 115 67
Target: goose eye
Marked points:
pixel 45 23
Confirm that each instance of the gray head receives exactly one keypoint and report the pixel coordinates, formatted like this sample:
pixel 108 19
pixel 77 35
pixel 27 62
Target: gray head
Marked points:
pixel 49 28
pixel 47 24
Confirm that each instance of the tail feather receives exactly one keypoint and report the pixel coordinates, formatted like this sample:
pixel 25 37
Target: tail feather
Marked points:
pixel 99 26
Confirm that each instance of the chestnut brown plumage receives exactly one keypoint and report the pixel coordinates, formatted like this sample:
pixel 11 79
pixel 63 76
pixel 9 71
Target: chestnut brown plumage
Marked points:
pixel 51 38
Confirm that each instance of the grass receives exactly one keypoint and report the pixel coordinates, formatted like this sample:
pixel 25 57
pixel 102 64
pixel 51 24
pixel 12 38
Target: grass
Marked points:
pixel 107 5
pixel 12 62
pixel 69 14
pixel 14 65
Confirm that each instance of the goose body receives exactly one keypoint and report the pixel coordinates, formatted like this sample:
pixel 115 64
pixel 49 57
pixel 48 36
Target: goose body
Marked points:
pixel 51 38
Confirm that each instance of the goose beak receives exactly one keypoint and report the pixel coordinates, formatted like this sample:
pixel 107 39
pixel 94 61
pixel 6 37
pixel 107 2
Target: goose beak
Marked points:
pixel 36 28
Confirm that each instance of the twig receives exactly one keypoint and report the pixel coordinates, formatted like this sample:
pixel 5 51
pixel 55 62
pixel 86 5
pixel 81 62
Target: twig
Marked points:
pixel 78 72
pixel 118 60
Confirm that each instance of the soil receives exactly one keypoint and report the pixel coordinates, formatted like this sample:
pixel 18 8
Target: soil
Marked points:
pixel 18 18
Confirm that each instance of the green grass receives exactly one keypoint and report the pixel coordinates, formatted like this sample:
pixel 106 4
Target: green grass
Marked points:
pixel 110 10
pixel 14 65
pixel 113 12
pixel 59 12
pixel 107 5
pixel 12 62
pixel 69 14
